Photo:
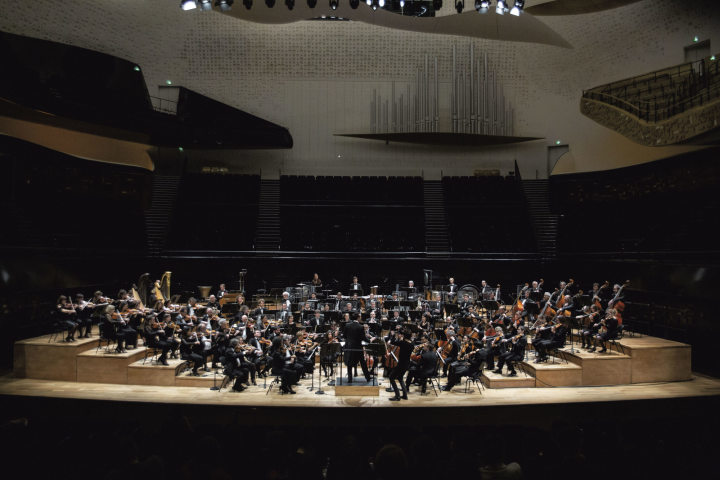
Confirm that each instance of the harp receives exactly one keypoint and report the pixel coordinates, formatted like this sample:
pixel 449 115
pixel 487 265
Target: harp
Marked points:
pixel 165 285
pixel 143 288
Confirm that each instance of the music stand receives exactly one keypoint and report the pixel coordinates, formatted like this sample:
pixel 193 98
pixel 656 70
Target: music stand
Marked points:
pixel 331 350
pixel 490 306
pixel 374 349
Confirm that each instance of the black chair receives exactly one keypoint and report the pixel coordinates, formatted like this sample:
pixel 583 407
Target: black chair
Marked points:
pixel 475 379
pixel 105 337
pixel 57 327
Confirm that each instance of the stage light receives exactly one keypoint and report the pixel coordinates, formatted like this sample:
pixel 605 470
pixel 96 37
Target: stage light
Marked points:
pixel 482 6
pixel 188 4
pixel 312 3
pixel 354 4
pixel 402 3
pixel 205 5
pixel 168 82
pixel 270 3
pixel 517 8
pixel 248 4
pixel 334 4
pixel 500 8
pixel 368 2
pixel 459 5
pixel 225 5
pixel 381 3
pixel 290 4
pixel 374 5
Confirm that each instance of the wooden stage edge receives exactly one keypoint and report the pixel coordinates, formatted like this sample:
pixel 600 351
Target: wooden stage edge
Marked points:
pixel 699 386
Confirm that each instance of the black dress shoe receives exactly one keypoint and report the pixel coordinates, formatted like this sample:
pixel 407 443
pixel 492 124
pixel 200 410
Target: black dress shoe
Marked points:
pixel 603 350
pixel 592 349
pixel 291 391
pixel 512 374
pixel 164 362
pixel 394 399
pixel 404 397
pixel 389 389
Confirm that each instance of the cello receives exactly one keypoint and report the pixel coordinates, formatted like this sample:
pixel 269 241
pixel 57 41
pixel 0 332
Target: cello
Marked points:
pixel 619 306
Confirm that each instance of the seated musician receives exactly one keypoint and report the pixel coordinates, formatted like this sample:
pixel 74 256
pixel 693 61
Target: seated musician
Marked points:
pixel 426 366
pixel 221 291
pixel 608 330
pixel 501 318
pixel 110 328
pixel 316 282
pixel 467 364
pixel 156 337
pixel 412 291
pixel 257 356
pixel 84 316
pixel 235 365
pixel 282 362
pixel 558 332
pixel 591 325
pixel 465 303
pixel 213 302
pixel 125 326
pixel 348 308
pixel 205 349
pixel 490 345
pixel 284 314
pixel 189 345
pixel 286 300
pixel 396 318
pixel 317 320
pixel 515 353
pixel 67 317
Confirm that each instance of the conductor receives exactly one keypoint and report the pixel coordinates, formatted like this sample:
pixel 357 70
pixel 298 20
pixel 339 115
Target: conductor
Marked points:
pixel 354 336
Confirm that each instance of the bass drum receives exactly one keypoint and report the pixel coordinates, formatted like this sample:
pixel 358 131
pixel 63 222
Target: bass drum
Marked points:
pixel 472 291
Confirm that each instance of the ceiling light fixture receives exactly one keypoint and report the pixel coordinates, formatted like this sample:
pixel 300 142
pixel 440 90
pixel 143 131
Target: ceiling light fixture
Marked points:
pixel 205 5
pixel 501 7
pixel 517 8
pixel 482 5
pixel 188 4
pixel 225 5
pixel 334 4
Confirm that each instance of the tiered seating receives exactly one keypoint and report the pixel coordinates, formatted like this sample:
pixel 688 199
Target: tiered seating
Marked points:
pixel 215 212
pixel 487 214
pixel 49 205
pixel 658 207
pixel 352 213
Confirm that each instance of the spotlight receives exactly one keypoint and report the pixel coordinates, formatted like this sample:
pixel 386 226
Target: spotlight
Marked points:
pixel 500 8
pixel 290 4
pixel 334 4
pixel 188 4
pixel 368 2
pixel 459 5
pixel 381 3
pixel 225 5
pixel 354 4
pixel 482 5
pixel 247 4
pixel 312 3
pixel 205 5
pixel 437 5
pixel 374 5
pixel 517 8
pixel 270 3
pixel 402 3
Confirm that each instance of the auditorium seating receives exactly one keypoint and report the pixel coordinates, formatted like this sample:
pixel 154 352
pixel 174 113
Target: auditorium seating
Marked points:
pixel 352 213
pixel 215 212
pixel 664 206
pixel 487 214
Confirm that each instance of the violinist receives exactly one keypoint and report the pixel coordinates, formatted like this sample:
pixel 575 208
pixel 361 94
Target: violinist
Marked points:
pixel 257 356
pixel 515 353
pixel 558 332
pixel 608 330
pixel 426 365
pixel 235 364
pixel 403 362
pixel 282 362
pixel 156 337
pixel 110 327
pixel 213 303
pixel 189 345
pixel 84 316
pixel 468 364
pixel 124 327
pixel 67 316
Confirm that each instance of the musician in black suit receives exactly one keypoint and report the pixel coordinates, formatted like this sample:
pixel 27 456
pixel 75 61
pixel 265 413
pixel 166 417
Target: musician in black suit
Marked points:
pixel 316 320
pixel 611 324
pixel 188 350
pixel 282 365
pixel 354 335
pixel 260 310
pixel 558 332
pixel 452 289
pixel 454 350
pixel 355 287
pixel 236 365
pixel 514 354
pixel 466 366
pixel 411 291
pixel 221 291
pixel 67 317
pixel 427 366
pixel 403 362
pixel 465 303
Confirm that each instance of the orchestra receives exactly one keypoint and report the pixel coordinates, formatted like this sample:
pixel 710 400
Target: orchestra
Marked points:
pixel 459 331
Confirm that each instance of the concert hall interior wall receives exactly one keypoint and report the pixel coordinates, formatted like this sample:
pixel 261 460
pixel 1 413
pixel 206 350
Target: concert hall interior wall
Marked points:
pixel 317 78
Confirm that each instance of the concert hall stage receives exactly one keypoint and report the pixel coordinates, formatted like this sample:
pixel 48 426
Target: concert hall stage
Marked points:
pixel 652 378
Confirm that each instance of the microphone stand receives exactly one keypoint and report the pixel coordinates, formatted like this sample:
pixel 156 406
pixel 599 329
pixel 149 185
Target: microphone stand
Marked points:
pixel 215 387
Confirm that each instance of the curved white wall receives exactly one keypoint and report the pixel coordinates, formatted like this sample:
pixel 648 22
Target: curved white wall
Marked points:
pixel 317 78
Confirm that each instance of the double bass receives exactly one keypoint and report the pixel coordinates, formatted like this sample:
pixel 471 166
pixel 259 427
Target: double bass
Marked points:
pixel 619 306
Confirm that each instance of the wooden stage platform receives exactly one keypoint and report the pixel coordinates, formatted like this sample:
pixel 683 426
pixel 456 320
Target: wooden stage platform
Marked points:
pixel 639 368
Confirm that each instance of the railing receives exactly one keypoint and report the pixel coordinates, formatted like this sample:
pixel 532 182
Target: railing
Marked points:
pixel 164 105
pixel 680 88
